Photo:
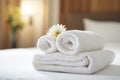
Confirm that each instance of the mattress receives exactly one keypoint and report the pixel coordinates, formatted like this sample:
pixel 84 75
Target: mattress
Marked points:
pixel 16 64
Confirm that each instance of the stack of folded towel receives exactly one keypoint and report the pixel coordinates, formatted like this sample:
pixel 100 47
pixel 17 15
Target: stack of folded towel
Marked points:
pixel 74 51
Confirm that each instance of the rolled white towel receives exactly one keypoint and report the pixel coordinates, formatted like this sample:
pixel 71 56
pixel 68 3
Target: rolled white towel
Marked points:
pixel 46 44
pixel 76 41
pixel 97 61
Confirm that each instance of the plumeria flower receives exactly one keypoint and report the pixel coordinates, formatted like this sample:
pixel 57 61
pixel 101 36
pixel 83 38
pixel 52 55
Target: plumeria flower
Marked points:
pixel 55 30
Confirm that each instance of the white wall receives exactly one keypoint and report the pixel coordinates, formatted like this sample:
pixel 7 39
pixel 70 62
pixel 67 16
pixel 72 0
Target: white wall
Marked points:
pixel 31 34
pixel 54 12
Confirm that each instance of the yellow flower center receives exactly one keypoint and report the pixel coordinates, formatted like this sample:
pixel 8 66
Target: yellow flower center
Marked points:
pixel 57 33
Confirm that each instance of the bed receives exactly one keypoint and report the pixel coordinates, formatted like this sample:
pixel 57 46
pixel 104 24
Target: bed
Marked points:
pixel 16 64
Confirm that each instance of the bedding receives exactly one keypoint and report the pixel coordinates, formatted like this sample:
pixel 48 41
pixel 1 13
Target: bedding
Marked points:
pixel 109 30
pixel 16 64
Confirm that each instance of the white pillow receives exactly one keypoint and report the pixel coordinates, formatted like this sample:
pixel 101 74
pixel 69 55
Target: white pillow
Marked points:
pixel 108 29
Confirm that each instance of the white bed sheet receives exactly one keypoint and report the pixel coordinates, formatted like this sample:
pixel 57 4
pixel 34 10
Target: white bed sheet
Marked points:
pixel 16 64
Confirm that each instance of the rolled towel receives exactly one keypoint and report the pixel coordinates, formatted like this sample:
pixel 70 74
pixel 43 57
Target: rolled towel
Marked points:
pixel 91 62
pixel 46 44
pixel 76 41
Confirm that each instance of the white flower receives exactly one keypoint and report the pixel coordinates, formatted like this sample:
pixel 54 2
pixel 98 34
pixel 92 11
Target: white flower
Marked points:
pixel 55 30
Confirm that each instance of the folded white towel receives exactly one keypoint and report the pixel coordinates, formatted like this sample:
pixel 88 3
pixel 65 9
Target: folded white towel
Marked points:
pixel 76 41
pixel 62 59
pixel 88 62
pixel 46 44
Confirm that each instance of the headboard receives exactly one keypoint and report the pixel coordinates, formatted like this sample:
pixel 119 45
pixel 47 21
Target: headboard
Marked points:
pixel 72 12
pixel 75 21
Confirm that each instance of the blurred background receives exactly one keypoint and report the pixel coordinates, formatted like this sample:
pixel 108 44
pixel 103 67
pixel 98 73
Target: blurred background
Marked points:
pixel 39 15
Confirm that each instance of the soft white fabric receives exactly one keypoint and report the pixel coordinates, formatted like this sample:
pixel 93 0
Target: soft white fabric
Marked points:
pixel 75 41
pixel 15 64
pixel 97 61
pixel 46 44
pixel 62 59
pixel 108 29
